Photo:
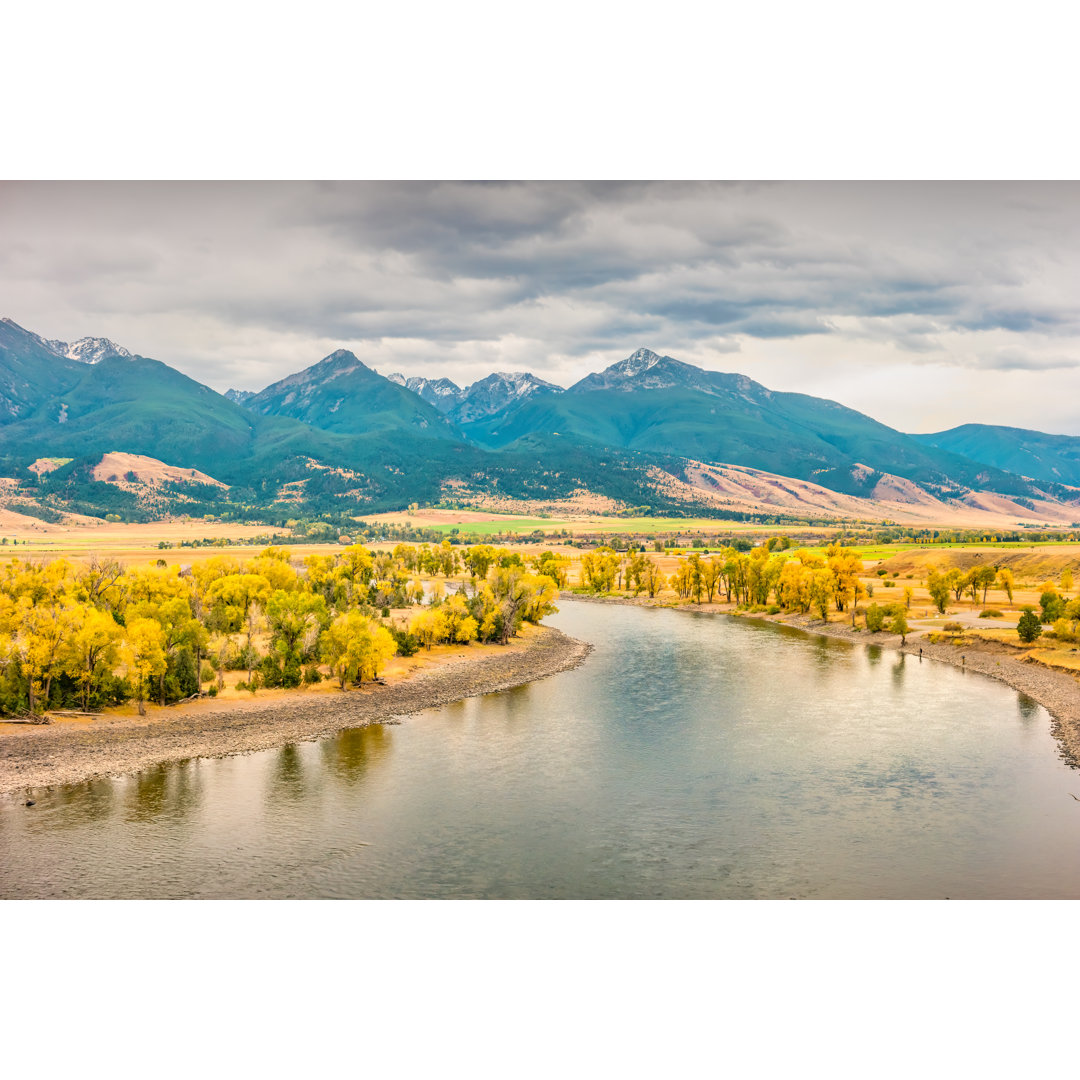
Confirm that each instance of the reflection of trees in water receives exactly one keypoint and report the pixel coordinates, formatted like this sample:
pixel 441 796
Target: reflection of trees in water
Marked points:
pixel 287 778
pixel 874 654
pixel 1027 707
pixel 898 670
pixel 174 789
pixel 349 755
pixel 92 800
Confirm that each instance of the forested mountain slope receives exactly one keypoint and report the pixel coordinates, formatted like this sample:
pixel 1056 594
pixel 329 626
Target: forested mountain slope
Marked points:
pixel 1050 458
pixel 652 404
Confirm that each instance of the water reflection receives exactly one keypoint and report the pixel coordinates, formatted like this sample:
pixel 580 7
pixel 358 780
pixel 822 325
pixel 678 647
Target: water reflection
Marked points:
pixel 350 754
pixel 165 790
pixel 91 801
pixel 287 777
pixel 1030 710
pixel 898 671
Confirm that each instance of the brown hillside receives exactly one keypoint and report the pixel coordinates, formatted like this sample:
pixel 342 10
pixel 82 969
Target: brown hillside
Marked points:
pixel 1032 565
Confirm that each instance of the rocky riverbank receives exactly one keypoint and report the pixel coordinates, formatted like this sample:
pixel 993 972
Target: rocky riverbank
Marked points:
pixel 63 754
pixel 1056 690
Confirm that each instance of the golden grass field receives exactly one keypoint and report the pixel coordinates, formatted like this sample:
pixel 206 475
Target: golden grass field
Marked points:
pixel 489 522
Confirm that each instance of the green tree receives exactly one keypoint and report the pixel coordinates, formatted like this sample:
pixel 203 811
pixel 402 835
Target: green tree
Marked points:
pixel 294 619
pixel 1029 627
pixel 1053 606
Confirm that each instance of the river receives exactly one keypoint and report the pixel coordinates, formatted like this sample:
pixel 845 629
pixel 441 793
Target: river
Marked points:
pixel 691 756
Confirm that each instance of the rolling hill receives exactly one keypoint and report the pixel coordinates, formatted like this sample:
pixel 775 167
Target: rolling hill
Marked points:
pixel 1049 458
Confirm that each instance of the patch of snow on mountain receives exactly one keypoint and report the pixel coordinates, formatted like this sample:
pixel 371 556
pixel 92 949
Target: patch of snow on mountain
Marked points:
pixel 87 350
pixel 637 362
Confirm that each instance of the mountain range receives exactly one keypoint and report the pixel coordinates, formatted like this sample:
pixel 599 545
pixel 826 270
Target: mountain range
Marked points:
pixel 647 432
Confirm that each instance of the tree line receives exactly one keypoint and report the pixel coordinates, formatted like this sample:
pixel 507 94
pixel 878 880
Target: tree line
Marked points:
pixel 766 577
pixel 91 634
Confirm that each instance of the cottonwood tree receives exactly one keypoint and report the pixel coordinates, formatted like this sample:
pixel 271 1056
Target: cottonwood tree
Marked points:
pixel 1005 579
pixel 354 647
pixel 95 644
pixel 938 587
pixel 39 642
pixel 652 578
pixel 144 654
pixel 985 576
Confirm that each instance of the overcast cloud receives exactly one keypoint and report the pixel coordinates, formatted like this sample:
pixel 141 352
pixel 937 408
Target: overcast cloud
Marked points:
pixel 924 305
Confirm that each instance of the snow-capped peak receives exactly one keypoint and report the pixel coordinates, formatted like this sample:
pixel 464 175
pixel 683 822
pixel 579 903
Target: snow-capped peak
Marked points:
pixel 396 377
pixel 87 350
pixel 517 383
pixel 637 362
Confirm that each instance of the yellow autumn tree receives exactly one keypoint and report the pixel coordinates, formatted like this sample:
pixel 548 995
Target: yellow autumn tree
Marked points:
pixel 143 653
pixel 95 647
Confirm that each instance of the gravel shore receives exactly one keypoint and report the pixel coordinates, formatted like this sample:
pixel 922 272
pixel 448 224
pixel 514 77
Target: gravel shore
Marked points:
pixel 57 754
pixel 1056 690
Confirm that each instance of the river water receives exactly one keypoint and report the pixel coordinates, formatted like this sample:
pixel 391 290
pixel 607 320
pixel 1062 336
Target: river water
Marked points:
pixel 691 756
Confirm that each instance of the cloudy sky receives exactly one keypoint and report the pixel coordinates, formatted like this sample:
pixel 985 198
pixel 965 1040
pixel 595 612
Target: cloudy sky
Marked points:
pixel 924 305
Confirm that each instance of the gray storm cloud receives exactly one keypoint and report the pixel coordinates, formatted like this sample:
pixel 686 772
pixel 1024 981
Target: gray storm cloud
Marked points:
pixel 844 290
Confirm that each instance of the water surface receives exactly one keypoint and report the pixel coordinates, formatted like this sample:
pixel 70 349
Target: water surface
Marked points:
pixel 691 756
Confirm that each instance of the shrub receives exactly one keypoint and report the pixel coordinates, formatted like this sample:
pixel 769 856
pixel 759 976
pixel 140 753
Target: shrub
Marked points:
pixel 407 643
pixel 953 628
pixel 773 610
pixel 890 584
pixel 881 571
pixel 1063 630
pixel 1029 627
pixel 312 675
pixel 212 691
pixel 875 618
pixel 990 613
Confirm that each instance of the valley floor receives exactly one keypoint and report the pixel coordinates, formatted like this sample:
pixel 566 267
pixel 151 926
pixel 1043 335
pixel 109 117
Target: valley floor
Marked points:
pixel 71 750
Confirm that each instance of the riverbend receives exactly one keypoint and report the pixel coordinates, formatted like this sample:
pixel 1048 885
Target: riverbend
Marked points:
pixel 691 756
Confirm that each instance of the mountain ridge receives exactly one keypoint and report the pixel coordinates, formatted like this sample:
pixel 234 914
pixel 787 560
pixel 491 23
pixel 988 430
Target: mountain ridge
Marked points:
pixel 1037 454
pixel 339 437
